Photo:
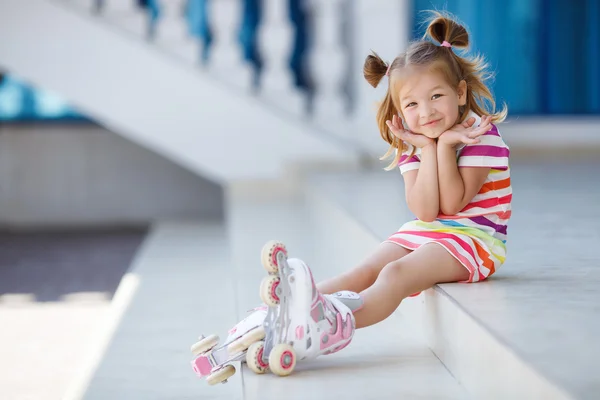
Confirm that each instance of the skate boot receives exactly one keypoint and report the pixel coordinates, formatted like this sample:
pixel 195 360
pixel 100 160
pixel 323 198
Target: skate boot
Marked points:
pixel 215 362
pixel 301 323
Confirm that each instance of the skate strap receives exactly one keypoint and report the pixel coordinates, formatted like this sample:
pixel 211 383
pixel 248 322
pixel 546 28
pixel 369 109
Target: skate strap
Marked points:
pixel 350 299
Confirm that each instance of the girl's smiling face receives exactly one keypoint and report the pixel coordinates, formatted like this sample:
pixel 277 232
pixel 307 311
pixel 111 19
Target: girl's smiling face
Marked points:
pixel 427 103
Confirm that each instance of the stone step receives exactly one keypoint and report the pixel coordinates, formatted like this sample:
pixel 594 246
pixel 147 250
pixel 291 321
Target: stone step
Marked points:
pixel 527 332
pixel 197 279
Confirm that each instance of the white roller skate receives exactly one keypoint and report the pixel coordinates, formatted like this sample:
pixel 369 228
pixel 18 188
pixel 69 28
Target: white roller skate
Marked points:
pixel 215 363
pixel 301 323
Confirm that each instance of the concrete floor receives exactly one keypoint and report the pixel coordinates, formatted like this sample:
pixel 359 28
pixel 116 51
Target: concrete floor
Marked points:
pixel 192 281
pixel 543 303
pixel 55 291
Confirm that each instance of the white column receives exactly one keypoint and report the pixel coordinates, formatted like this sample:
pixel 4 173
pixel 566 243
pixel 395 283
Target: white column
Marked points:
pixel 275 44
pixel 384 27
pixel 327 61
pixel 226 55
pixel 172 31
pixel 126 15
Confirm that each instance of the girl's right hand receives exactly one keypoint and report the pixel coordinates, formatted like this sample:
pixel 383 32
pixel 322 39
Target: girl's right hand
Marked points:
pixel 407 136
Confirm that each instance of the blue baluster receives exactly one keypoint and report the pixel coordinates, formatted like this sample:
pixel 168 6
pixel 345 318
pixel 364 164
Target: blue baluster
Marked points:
pixel 248 36
pixel 298 59
pixel 198 25
pixel 152 7
pixel 28 107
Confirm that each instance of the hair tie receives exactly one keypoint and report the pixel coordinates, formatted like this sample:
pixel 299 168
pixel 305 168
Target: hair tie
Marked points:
pixel 446 44
pixel 387 73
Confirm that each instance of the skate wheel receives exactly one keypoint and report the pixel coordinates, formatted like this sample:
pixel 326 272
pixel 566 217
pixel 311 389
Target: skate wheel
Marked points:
pixel 204 345
pixel 268 290
pixel 246 341
pixel 221 375
pixel 269 255
pixel 254 358
pixel 282 359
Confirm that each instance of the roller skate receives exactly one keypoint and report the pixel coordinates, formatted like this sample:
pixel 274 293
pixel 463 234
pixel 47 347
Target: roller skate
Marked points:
pixel 300 323
pixel 215 362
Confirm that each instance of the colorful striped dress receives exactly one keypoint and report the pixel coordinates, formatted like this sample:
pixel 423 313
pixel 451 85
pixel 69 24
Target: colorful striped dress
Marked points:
pixel 476 236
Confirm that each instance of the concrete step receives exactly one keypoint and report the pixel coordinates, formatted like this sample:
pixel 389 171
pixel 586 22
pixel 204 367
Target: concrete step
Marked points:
pixel 180 280
pixel 513 336
pixel 395 362
pixel 197 279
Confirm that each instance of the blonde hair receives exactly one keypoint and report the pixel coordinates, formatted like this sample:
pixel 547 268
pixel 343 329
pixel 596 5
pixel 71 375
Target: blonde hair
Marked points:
pixel 453 67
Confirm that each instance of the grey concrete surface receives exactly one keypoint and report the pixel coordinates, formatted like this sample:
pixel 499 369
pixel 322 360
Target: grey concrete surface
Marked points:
pixel 53 264
pixel 544 302
pixel 85 175
pixel 193 281
pixel 55 291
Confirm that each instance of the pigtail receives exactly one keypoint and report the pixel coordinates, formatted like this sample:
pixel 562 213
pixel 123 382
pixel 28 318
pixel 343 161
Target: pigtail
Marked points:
pixel 444 28
pixel 374 70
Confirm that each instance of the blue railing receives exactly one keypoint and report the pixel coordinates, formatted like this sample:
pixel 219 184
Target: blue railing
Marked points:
pixel 545 53
pixel 19 101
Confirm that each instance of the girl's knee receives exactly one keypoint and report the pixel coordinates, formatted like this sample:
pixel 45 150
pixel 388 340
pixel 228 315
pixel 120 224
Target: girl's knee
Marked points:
pixel 381 260
pixel 368 271
pixel 393 267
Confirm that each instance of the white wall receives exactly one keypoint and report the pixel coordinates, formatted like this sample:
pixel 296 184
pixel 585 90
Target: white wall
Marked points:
pixel 65 175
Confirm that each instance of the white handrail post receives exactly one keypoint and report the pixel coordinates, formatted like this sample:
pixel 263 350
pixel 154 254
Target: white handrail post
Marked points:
pixel 226 60
pixel 327 62
pixel 384 27
pixel 172 33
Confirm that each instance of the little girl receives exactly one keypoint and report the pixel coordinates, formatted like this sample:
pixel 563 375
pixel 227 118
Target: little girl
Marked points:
pixel 438 118
pixel 455 169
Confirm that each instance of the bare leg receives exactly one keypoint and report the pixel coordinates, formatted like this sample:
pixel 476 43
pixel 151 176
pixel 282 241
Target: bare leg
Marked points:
pixel 420 270
pixel 365 274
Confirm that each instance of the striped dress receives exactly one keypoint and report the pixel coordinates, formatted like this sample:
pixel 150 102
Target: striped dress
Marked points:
pixel 476 236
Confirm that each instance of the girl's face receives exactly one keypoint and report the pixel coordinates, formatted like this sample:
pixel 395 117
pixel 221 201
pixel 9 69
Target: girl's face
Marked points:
pixel 428 105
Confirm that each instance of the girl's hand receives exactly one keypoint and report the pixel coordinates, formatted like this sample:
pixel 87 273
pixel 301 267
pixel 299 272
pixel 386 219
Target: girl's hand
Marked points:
pixel 407 136
pixel 465 132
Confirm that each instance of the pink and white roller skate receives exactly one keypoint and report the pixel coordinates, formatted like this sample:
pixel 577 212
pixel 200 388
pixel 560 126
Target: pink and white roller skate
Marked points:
pixel 297 323
pixel 215 363
pixel 301 323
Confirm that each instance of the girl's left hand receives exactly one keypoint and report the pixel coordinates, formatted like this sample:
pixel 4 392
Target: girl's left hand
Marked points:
pixel 465 132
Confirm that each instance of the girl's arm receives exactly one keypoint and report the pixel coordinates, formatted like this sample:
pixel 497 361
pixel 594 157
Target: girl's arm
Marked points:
pixel 420 183
pixel 421 186
pixel 457 186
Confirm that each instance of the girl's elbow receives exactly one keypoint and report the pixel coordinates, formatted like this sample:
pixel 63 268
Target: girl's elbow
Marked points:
pixel 447 211
pixel 427 215
pixel 424 212
pixel 450 209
